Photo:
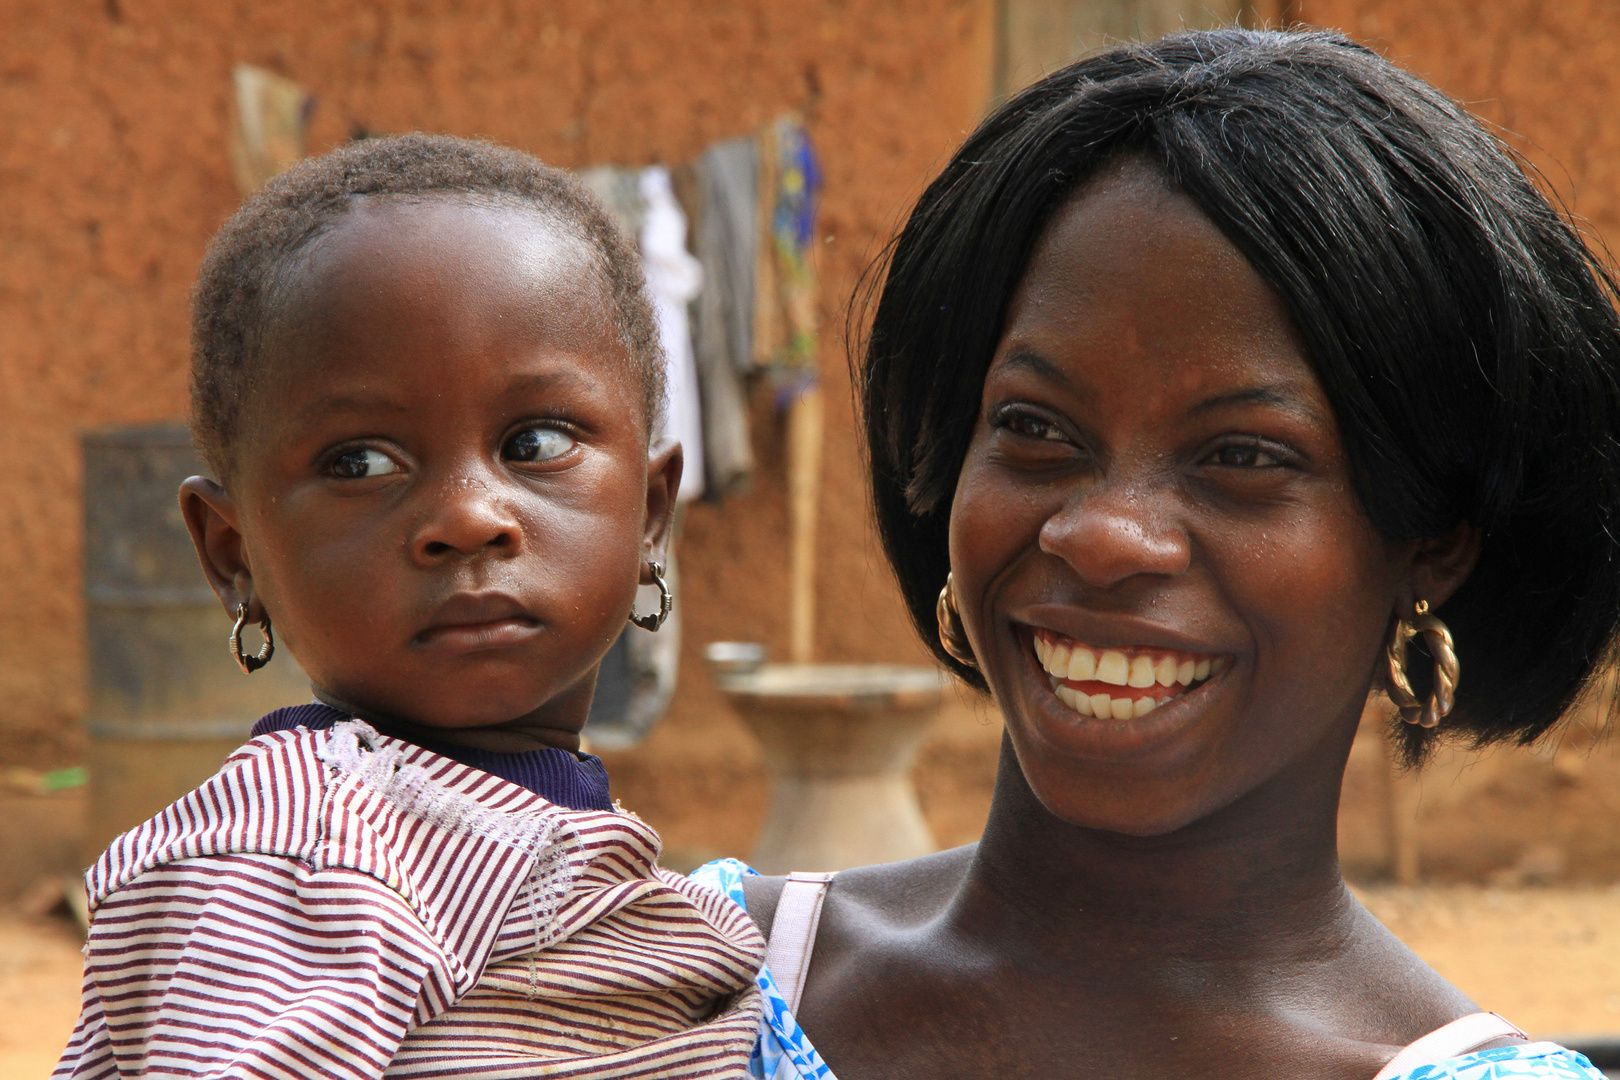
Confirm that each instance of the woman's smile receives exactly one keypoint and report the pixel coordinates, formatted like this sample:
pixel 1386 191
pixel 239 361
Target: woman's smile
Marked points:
pixel 1120 683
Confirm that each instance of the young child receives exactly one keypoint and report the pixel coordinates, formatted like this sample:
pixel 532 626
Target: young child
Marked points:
pixel 426 378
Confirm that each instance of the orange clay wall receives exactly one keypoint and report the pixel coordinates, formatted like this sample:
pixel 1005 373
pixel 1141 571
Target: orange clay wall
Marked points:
pixel 1545 75
pixel 114 173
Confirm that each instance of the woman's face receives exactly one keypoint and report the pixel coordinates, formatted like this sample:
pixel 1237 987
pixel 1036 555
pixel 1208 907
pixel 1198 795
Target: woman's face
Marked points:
pixel 1159 557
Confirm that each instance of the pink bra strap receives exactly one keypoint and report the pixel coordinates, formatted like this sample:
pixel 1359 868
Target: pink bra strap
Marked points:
pixel 793 933
pixel 1455 1039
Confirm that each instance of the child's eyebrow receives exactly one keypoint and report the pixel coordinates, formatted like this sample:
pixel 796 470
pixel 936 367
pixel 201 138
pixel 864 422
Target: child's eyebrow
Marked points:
pixel 344 403
pixel 547 380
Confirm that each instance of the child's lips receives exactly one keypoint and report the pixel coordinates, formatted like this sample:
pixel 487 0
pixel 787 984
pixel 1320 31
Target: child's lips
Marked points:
pixel 473 621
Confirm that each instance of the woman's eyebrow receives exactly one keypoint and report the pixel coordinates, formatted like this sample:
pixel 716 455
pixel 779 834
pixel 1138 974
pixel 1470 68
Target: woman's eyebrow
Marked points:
pixel 1029 359
pixel 1283 395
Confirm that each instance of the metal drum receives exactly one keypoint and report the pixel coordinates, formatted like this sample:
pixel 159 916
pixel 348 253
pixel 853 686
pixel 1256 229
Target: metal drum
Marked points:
pixel 167 702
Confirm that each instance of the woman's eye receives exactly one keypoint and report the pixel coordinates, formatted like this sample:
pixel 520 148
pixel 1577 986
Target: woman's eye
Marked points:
pixel 537 444
pixel 356 464
pixel 1244 457
pixel 1032 427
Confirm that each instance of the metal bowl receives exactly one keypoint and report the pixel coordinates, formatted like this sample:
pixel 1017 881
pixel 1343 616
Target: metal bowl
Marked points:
pixel 734 657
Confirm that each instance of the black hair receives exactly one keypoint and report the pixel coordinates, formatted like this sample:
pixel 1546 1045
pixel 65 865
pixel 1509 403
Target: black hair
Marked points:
pixel 1463 332
pixel 234 300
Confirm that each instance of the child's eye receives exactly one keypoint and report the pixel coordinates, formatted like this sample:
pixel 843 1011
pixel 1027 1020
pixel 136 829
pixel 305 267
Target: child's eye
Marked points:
pixel 356 464
pixel 537 444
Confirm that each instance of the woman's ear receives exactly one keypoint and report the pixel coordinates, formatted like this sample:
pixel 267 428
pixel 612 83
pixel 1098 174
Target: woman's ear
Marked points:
pixel 212 520
pixel 664 465
pixel 1441 565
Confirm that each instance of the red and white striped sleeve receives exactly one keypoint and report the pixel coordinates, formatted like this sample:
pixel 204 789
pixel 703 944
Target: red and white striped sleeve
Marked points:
pixel 253 966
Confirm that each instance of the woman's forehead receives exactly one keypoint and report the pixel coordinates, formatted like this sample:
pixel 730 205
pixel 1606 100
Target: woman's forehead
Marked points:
pixel 1130 272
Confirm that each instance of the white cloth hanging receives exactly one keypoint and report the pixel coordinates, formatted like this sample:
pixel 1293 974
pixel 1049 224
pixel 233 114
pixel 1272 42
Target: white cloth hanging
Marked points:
pixel 674 278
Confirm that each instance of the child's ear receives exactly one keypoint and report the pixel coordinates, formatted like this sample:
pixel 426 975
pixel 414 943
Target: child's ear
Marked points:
pixel 1441 565
pixel 664 465
pixel 212 521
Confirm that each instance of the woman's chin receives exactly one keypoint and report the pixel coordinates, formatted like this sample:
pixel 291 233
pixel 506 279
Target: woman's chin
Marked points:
pixel 1142 776
pixel 1137 810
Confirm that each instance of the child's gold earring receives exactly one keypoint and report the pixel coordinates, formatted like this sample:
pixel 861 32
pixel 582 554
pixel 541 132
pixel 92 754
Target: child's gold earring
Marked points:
pixel 1446 669
pixel 253 663
pixel 666 602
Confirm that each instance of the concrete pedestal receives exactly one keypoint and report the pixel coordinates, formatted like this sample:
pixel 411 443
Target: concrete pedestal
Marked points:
pixel 839 742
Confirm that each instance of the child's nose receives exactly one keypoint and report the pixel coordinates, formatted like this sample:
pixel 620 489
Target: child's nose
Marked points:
pixel 468 517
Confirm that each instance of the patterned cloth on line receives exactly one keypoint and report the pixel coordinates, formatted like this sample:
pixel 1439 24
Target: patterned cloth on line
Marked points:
pixel 341 904
pixel 784 1052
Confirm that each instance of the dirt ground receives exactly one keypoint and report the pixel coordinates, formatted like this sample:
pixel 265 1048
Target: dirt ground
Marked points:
pixel 39 993
pixel 1543 957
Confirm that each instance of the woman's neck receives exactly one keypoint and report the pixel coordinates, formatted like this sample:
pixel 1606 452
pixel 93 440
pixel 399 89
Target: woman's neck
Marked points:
pixel 1253 886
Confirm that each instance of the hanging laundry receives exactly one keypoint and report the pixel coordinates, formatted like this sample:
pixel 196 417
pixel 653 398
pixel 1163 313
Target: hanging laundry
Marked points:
pixel 637 677
pixel 272 113
pixel 620 193
pixel 787 293
pixel 727 244
pixel 674 278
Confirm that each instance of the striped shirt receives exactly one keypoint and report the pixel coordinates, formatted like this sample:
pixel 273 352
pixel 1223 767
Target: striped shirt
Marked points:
pixel 337 903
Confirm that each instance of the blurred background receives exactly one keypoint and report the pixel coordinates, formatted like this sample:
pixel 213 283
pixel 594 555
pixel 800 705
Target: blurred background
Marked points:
pixel 762 151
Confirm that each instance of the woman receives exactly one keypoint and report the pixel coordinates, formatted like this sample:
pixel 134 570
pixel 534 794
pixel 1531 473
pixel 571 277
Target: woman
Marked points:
pixel 1206 375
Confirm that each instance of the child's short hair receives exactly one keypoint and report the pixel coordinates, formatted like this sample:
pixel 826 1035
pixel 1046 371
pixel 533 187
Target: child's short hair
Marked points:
pixel 1463 332
pixel 234 298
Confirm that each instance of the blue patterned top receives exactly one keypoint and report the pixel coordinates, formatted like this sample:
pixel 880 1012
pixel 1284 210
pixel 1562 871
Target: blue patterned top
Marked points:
pixel 784 1052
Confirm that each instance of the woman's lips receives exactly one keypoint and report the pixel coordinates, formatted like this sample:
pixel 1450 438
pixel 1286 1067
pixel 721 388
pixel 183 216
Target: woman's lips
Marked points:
pixel 469 622
pixel 1120 683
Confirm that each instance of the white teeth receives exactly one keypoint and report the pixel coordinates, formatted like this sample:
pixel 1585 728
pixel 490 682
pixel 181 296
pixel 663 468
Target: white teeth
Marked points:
pixel 1121 708
pixel 1058 662
pixel 1074 699
pixel 1165 671
pixel 1067 659
pixel 1142 672
pixel 1112 667
pixel 1144 706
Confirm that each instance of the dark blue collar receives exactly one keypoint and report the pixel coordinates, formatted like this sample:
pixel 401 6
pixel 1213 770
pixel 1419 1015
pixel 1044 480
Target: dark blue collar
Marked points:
pixel 575 781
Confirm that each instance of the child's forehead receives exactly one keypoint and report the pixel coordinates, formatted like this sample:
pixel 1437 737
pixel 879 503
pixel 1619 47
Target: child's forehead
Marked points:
pixel 490 233
pixel 446 276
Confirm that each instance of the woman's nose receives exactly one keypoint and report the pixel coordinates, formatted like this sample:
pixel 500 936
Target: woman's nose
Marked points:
pixel 1109 535
pixel 468 517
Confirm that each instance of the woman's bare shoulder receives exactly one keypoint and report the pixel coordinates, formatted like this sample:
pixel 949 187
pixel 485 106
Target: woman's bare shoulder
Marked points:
pixel 888 892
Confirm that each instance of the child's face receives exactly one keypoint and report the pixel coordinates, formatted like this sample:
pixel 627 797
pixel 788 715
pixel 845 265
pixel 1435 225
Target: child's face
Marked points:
pixel 443 494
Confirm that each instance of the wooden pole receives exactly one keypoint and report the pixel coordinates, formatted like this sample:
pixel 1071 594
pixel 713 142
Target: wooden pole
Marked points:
pixel 1404 796
pixel 804 489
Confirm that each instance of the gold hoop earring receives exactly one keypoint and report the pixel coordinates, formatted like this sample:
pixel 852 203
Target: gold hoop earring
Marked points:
pixel 666 602
pixel 1446 669
pixel 250 664
pixel 952 638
